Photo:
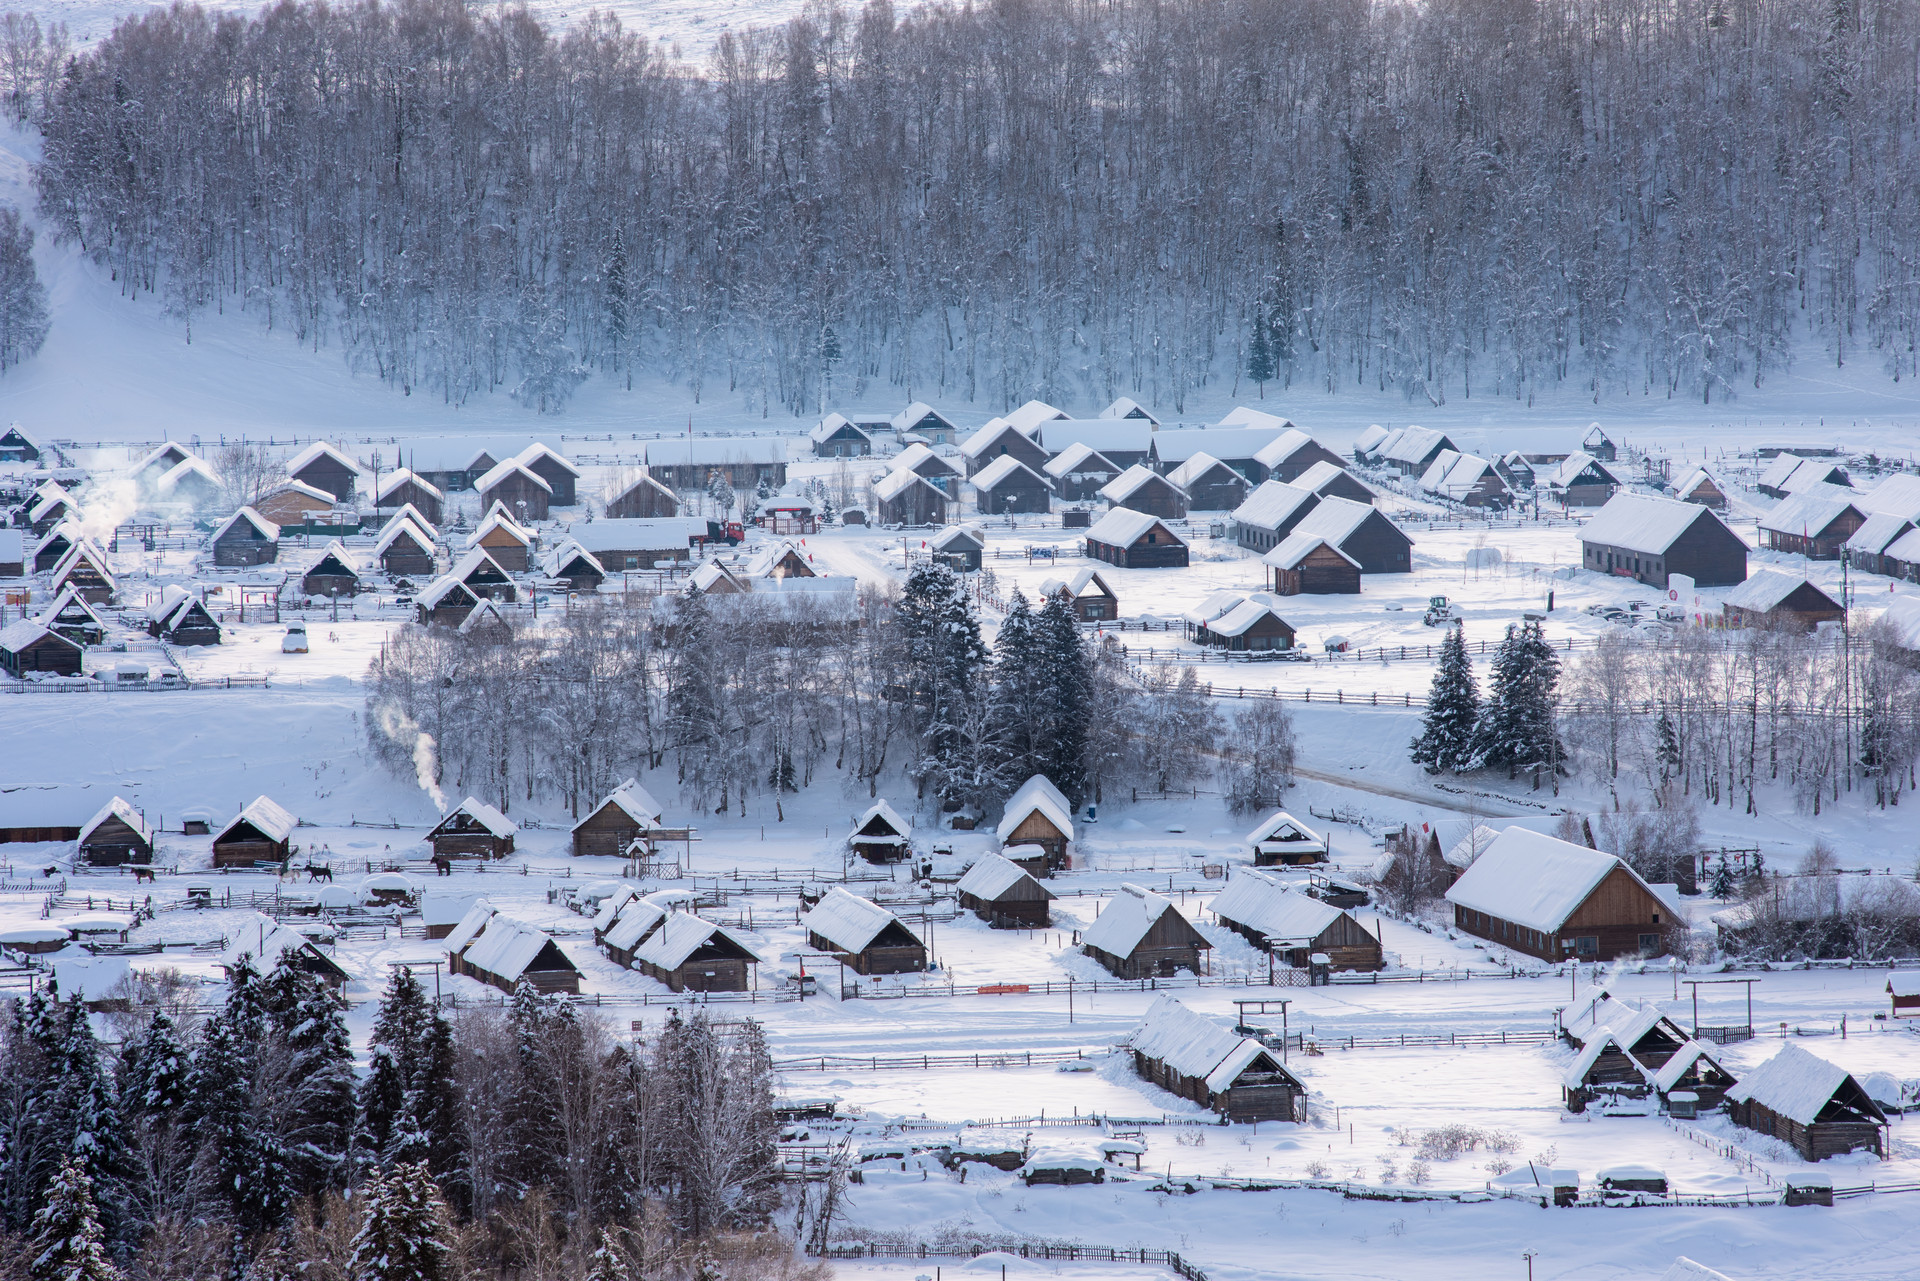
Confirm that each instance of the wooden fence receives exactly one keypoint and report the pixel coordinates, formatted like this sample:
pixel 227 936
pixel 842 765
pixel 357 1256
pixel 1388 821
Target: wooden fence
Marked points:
pixel 1075 1253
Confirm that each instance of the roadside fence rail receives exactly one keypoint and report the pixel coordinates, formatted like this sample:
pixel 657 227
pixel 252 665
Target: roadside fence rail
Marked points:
pixel 1075 1253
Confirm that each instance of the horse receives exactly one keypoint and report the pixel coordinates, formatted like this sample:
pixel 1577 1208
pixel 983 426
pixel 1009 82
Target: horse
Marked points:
pixel 318 872
pixel 142 874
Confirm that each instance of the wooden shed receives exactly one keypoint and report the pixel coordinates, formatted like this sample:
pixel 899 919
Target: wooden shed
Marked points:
pixel 116 835
pixel 869 938
pixel 1135 540
pixel 1692 1069
pixel 641 497
pixel 1209 484
pixel 1362 532
pixel 634 922
pixel 1774 599
pixel 27 646
pixel 880 835
pixel 260 833
pixel 1645 538
pixel 73 618
pixel 961 546
pixel 473 829
pixel 1249 624
pixel 574 565
pixel 1008 485
pixel 1038 813
pixel 325 468
pixel 51 547
pixel 523 492
pixel 482 575
pixel 1291 456
pixel 333 574
pixel 291 504
pixel 1903 988
pixel 1282 840
pixel 1552 899
pixel 837 436
pixel 1001 439
pixel 1815 522
pixel 1140 935
pixel 1791 473
pixel 1079 472
pixel 1200 1061
pixel 445 603
pixel 245 538
pixel 182 619
pixel 692 955
pixel 407 489
pixel 506 540
pixel 16 446
pixel 1599 444
pixel 905 497
pixel 1331 480
pixel 550 465
pixel 441 914
pixel 1813 1106
pixel 931 467
pixel 1087 596
pixel 265 944
pixel 1581 480
pixel 84 569
pixel 1294 926
pixel 1005 895
pixel 1139 488
pixel 1700 486
pixel 1311 565
pixel 510 952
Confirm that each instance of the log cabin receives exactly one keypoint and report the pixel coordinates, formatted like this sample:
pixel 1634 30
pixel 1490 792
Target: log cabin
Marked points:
pixel 1779 601
pixel 473 829
pixel 441 914
pixel 1582 480
pixel 333 574
pixel 1270 514
pixel 1038 813
pixel 1869 544
pixel 446 602
pixel 1692 1069
pixel 1293 926
pixel 1250 625
pixel 1086 595
pixel 27 646
pixel 692 955
pixel 518 489
pixel 1813 1106
pixel 182 619
pixel 1293 455
pixel 1552 899
pixel 1079 472
pixel 641 497
pixel 1141 489
pixel 1009 485
pixel 1209 484
pixel 118 834
pixel 262 832
pixel 49 549
pixel 837 436
pixel 245 538
pixel 73 618
pixel 1282 840
pixel 510 952
pixel 1140 934
pixel 1645 538
pixel 1331 480
pixel 869 938
pixel 506 540
pixel 327 469
pixel 1308 564
pixel 574 565
pixel 1005 895
pixel 1001 439
pixel 293 504
pixel 961 547
pixel 1411 450
pixel 1700 486
pixel 931 467
pixel 905 497
pixel 482 575
pixel 1790 473
pixel 17 446
pixel 1814 522
pixel 264 944
pixel 1363 532
pixel 408 489
pixel 84 569
pixel 1197 1059
pixel 880 835
pixel 562 477
pixel 922 419
pixel 1469 480
pixel 1135 540
pixel 1599 444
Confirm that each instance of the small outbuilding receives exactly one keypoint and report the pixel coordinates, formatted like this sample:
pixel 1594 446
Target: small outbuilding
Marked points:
pixel 473 829
pixel 1141 489
pixel 641 497
pixel 183 620
pixel 260 833
pixel 1009 486
pixel 1692 1070
pixel 1005 895
pixel 1581 480
pixel 1140 934
pixel 574 565
pixel 1786 602
pixel 264 943
pixel 1791 473
pixel 1308 564
pixel 627 814
pixel 1813 1106
pixel 961 547
pixel 837 436
pixel 1197 1059
pixel 1088 597
pixel 880 835
pixel 325 468
pixel 405 549
pixel 333 574
pixel 508 541
pixel 1282 840
pixel 1132 539
pixel 445 603
pixel 922 419
pixel 1251 625
pixel 1702 487
pixel 509 952
pixel 245 538
pixel 905 497
pixel 869 938
pixel 73 618
pixel 692 955
pixel 84 569
pixel 27 646
pixel 482 575
pixel 1038 813
pixel 407 489
pixel 117 835
pixel 1294 926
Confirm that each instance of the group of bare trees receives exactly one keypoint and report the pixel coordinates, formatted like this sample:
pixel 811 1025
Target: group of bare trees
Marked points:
pixel 992 201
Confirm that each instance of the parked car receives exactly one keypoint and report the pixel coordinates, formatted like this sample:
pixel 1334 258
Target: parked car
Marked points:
pixel 295 641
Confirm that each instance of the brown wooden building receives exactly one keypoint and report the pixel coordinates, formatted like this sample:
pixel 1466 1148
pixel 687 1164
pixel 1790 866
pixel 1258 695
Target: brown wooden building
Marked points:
pixel 1809 1104
pixel 1362 532
pixel 1310 565
pixel 642 498
pixel 1700 486
pixel 1135 540
pixel 1552 899
pixel 904 497
pixel 1080 472
pixel 1293 926
pixel 26 646
pixel 326 469
pixel 1209 484
pixel 446 602
pixel 404 488
pixel 509 952
pixel 1001 439
pixel 1141 935
pixel 1086 594
pixel 260 833
pixel 473 829
pixel 1645 538
pixel 880 835
pixel 562 477
pixel 520 490
pixel 245 538
pixel 1270 514
pixel 1291 456
pixel 1815 522
pixel 333 574
pixel 692 955
pixel 1139 488
pixel 1773 599
pixel 869 938
pixel 1331 480
pixel 1005 895
pixel 1038 813
pixel 1200 1061
pixel 1009 486
pixel 118 834
pixel 291 502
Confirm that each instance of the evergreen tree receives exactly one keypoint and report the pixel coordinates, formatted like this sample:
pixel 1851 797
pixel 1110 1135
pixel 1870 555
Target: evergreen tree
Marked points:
pixel 1013 708
pixel 1260 357
pixel 395 1051
pixel 606 1264
pixel 315 1052
pixel 404 1234
pixel 246 1163
pixel 1666 746
pixel 1065 699
pixel 68 1241
pixel 31 1148
pixel 154 1079
pixel 1517 729
pixel 720 492
pixel 1447 730
pixel 1722 887
pixel 943 658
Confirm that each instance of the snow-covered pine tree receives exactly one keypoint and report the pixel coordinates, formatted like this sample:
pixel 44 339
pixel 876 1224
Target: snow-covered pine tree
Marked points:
pixel 68 1242
pixel 606 1263
pixel 1518 727
pixel 1065 698
pixel 246 1157
pixel 316 1101
pixel 1446 738
pixel 404 1235
pixel 1013 707
pixel 394 1065
pixel 1666 746
pixel 942 659
pixel 720 493
pixel 153 1082
pixel 1260 356
pixel 85 1112
pixel 1722 886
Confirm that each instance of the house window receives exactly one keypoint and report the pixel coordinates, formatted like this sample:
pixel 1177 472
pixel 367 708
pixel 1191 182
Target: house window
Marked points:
pixel 1586 945
pixel 1093 611
pixel 1649 944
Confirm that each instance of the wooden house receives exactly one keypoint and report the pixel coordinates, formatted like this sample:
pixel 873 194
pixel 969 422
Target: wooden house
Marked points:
pixel 1869 544
pixel 484 576
pixel 1009 486
pixel 158 461
pixel 1135 540
pixel 836 436
pixel 1005 895
pixel 1605 1073
pixel 1331 480
pixel 73 618
pixel 13 553
pixel 116 835
pixel 1293 926
pixel 638 543
pixel 1469 480
pixel 191 484
pixel 245 538
pixel 1692 1070
pixel 17 446
pixel 1238 444
pixel 1038 813
pixel 1360 531
pixel 930 467
pixel 1778 600
pixel 692 955
pixel 1645 538
pixel 260 833
pixel 869 938
pixel 1582 480
pixel 508 953
pixel 1902 558
pixel 453 468
pixel 1001 439
pixel 1815 522
pixel 404 549
pixel 562 477
pixel 1790 473
pixel 294 503
pixel 1270 513
pixel 1411 450
pixel 1811 1105
pixel 84 569
pixel 1200 1061
pixel 960 546
pixel 51 547
pixel 1128 407
pixel 473 829
pixel 1246 623
pixel 1700 486
pixel 1549 898
pixel 1293 454
pixel 781 560
pixel 265 944
pixel 635 921
pixel 922 419
pixel 505 539
pixel 1367 445
pixel 574 565
pixel 1308 564
pixel 1087 596
pixel 627 814
pixel 1079 472
pixel 326 469
pixel 1599 445
pixel 182 619
pixel 522 492
pixel 27 646
pixel 1516 469
pixel 1140 935
pixel 1209 484
pixel 1124 442
pixel 1903 989
pixel 746 462
pixel 406 488
pixel 486 622
pixel 333 574
pixel 880 835
pixel 905 497
pixel 641 497
pixel 1141 489
pixel 1282 840
pixel 446 602
pixel 50 505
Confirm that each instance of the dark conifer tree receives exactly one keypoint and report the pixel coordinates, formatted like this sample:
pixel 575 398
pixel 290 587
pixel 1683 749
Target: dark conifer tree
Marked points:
pixel 404 1235
pixel 1014 709
pixel 1447 730
pixel 316 1055
pixel 1260 356
pixel 1518 728
pixel 68 1241
pixel 1064 694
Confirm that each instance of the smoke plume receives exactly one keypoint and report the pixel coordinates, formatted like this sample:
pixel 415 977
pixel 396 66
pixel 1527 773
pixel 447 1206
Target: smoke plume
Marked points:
pixel 399 727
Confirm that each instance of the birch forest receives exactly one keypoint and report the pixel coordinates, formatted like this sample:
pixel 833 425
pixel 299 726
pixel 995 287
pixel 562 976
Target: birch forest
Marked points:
pixel 1059 198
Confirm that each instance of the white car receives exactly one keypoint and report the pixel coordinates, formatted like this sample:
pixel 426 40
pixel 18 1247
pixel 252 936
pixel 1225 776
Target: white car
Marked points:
pixel 295 641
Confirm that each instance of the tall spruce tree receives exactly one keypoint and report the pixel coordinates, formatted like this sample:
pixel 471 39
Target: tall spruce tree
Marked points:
pixel 404 1235
pixel 1065 698
pixel 154 1078
pixel 243 1161
pixel 1446 740
pixel 942 661
pixel 314 1054
pixel 1519 729
pixel 1014 706
pixel 68 1242
pixel 1260 355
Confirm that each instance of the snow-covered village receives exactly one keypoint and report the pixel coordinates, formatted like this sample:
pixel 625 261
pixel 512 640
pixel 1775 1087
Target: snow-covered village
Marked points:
pixel 774 642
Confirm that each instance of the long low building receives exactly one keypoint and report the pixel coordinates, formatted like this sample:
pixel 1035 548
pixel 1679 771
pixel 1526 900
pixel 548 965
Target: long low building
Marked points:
pixel 637 543
pixel 1645 538
pixel 1553 899
pixel 1199 1060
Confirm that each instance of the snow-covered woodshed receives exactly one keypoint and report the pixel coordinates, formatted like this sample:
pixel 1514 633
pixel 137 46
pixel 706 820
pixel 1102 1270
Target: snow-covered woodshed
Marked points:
pixel 1197 1059
pixel 1005 895
pixel 1292 925
pixel 260 833
pixel 869 938
pixel 1813 1106
pixel 1140 934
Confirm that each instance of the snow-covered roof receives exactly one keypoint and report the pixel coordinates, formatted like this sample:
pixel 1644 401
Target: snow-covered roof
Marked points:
pixel 1241 618
pixel 566 554
pixel 611 906
pixel 1793 1084
pixel 440 588
pixel 20 633
pixel 268 816
pixel 1272 503
pixel 1808 511
pixel 1413 444
pixel 1080 457
pixel 48 503
pixel 486 612
pixel 397 529
pixel 475 919
pixel 122 809
pixel 1322 474
pixel 712 575
pixel 166 455
pixel 833 423
pixel 1126 919
pixel 1037 793
pixel 1282 447
pixel 502 470
pixel 1532 879
pixel 1896 496
pixel 1576 1073
pixel 1195 1046
pixel 918 455
pixel 63 531
pixel 1370 439
pixel 1123 486
pixel 498 518
pixel 1282 827
pixel 401 478
pixel 1878 532
pixel 291 486
pixel 317 450
pixel 984 439
pixel 445 909
pixel 993 875
pixel 487 816
pixel 1464 848
pixel 1694 479
pixel 963 538
pixel 1001 468
pixel 506 947
pixel 538 452
pixel 897 827
pixel 472 561
pixel 83 552
pixel 266 528
pixel 1128 407
pixel 1076 584
pixel 635 920
pixel 1263 904
pixel 1459 476
pixel 1298 545
pixel 848 921
pixel 1904 983
pixel 1238 443
pixel 713 451
pixel 679 937
pixel 911 416
pixel 640 533
pixel 1198 464
pixel 265 940
pixel 1644 523
pixel 1685 1269
pixel 1212 606
pixel 1123 435
pixel 408 514
pixel 189 468
pixel 1123 527
pixel 1802 474
pixel 899 481
pixel 1768 588
pixel 1032 414
pixel 337 552
pixel 69 599
pixel 1335 519
pixel 1570 468
pixel 390 881
pixel 633 800
pixel 1669 1073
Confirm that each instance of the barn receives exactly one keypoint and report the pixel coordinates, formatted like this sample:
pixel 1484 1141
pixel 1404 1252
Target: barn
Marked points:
pixel 245 538
pixel 1790 473
pixel 1080 472
pixel 1270 514
pixel 1645 538
pixel 574 565
pixel 446 602
pixel 333 574
pixel 1009 486
pixel 1135 540
pixel 1362 532
pixel 1143 490
pixel 562 477
pixel 294 505
pixel 1309 565
pixel 1199 1060
pixel 1813 1106
pixel 836 436
pixel 641 497
pixel 508 541
pixel 1282 840
pixel 1292 456
pixel 1140 935
pixel 1331 480
pixel 482 575
pixel 509 952
pixel 182 619
pixel 1294 926
pixel 746 462
pixel 405 488
pixel 1411 450
pixel 869 938
pixel 26 646
pixel 1038 813
pixel 1552 899
pixel 905 497
pixel 1782 601
pixel 1001 439
pixel 1700 486
pixel 1469 480
pixel 1869 545
pixel 638 543
pixel 517 488
pixel 1209 484
pixel 326 469
pixel 1005 895
pixel 692 955
pixel 473 829
pixel 960 547
pixel 1815 522
pixel 1087 595
pixel 116 835
pixel 1516 469
pixel 260 833
pixel 880 835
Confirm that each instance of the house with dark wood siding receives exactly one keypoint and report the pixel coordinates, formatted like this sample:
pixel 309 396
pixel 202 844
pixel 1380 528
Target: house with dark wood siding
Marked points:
pixel 1000 439
pixel 1209 484
pixel 1141 489
pixel 1135 540
pixel 325 468
pixel 1270 513
pixel 1815 522
pixel 1292 925
pixel 1310 565
pixel 1005 895
pixel 1774 599
pixel 1549 898
pixel 1197 1059
pixel 1813 1106
pixel 642 497
pixel 1009 485
pixel 1645 538
pixel 627 814
pixel 1360 531
pixel 869 938
pixel 245 538
pixel 473 829
pixel 1140 934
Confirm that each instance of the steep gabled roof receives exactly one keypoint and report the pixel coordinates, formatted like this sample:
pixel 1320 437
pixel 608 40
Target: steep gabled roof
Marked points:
pixel 507 947
pixel 1272 503
pixel 1282 826
pixel 538 452
pixel 1198 464
pixel 1878 533
pixel 849 922
pixel 1126 920
pixel 993 875
pixel 1239 620
pixel 20 633
pixel 487 816
pixel 1799 1085
pixel 1032 414
pixel 190 468
pixel 1534 880
pixel 402 478
pixel 1080 457
pixel 680 936
pixel 1269 908
pixel 247 515
pixel 1297 546
pixel 893 828
pixel 502 470
pixel 1130 481
pixel 1037 793
pixel 1644 523
pixel 398 528
pixel 1370 439
pixel 632 800
pixel 267 816
pixel 442 587
pixel 959 538
pixel 1198 1048
pixel 1335 519
pixel 1128 407
pixel 341 560
pixel 1123 526
pixel 899 481
pixel 1897 495
pixel 1770 588
pixel 1003 467
pixel 1808 511
pixel 1573 465
pixel 984 439
pixel 1414 444
pixel 122 809
pixel 911 416
pixel 317 450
